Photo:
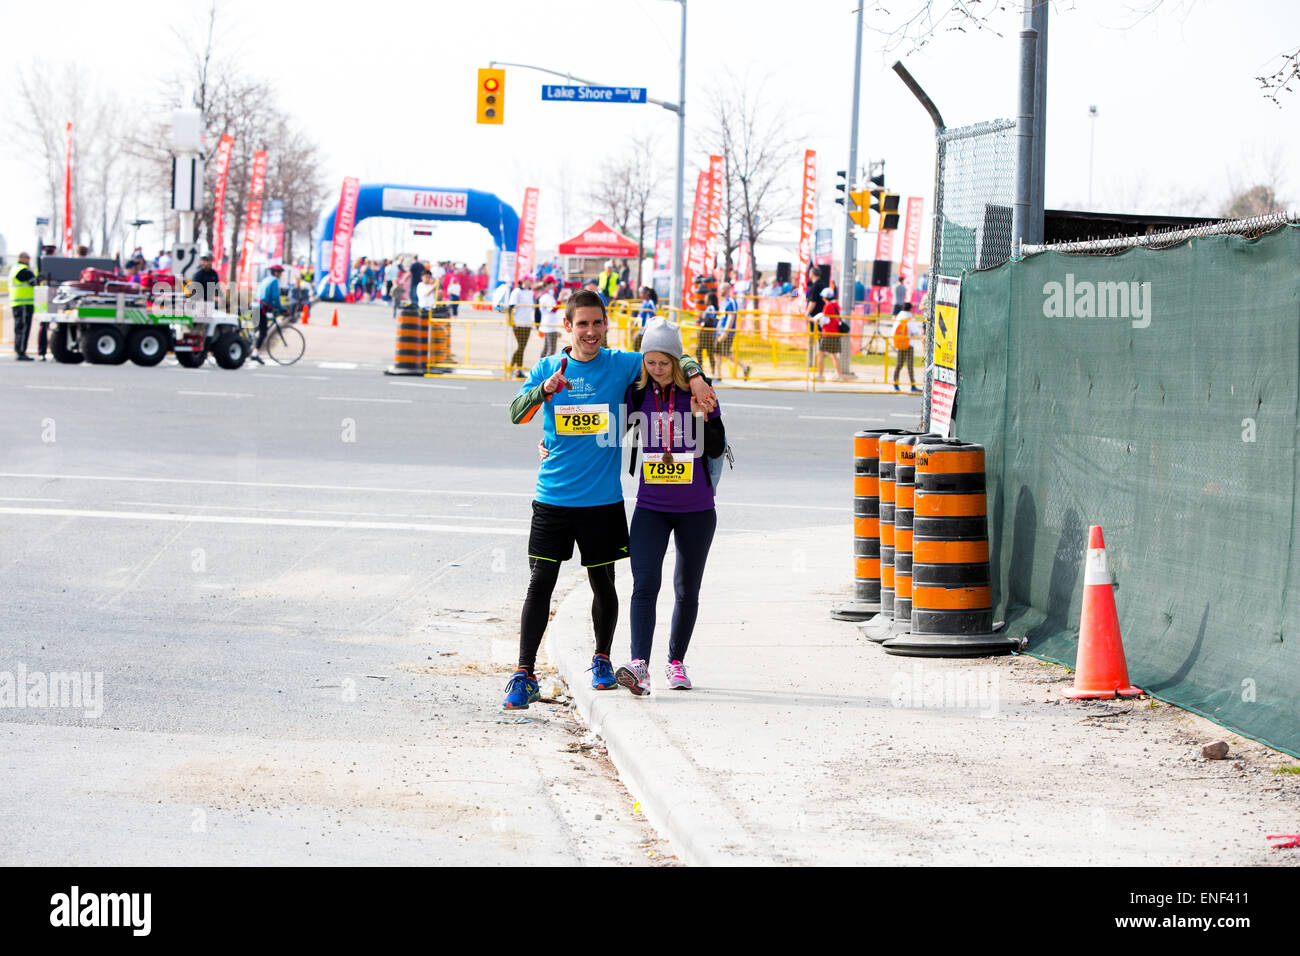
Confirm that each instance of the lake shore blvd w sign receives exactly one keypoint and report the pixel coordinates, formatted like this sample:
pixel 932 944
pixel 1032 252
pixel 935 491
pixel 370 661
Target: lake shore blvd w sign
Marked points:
pixel 594 94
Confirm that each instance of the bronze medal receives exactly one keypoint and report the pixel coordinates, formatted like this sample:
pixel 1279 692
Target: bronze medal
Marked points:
pixel 668 458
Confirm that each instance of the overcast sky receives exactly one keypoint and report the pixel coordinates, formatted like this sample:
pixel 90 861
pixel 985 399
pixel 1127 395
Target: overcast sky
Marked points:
pixel 387 89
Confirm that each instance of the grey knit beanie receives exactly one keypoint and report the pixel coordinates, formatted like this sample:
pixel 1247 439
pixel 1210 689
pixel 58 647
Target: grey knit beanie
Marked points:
pixel 662 336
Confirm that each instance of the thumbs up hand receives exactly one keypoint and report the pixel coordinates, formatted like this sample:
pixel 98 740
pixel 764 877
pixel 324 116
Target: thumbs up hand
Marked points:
pixel 556 381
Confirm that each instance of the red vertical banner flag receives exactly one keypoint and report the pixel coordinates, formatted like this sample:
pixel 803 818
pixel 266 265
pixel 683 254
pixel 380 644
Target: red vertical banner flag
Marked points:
pixel 219 204
pixel 526 242
pixel 67 197
pixel 715 212
pixel 698 244
pixel 344 219
pixel 807 209
pixel 253 219
pixel 885 245
pixel 911 241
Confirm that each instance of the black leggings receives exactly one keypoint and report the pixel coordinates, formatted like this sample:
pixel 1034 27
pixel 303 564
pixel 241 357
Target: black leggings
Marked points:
pixel 537 608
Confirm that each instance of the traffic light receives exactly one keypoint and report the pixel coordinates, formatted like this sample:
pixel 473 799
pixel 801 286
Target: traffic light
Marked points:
pixel 842 186
pixel 859 212
pixel 885 205
pixel 491 96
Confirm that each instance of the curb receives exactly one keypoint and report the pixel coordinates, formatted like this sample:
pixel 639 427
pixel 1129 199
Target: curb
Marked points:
pixel 679 806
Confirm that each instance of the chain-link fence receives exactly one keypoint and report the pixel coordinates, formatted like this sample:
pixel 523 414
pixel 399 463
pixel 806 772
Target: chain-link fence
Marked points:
pixel 974 192
pixel 1246 228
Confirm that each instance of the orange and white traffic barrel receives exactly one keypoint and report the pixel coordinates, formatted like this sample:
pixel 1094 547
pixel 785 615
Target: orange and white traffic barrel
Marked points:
pixel 411 354
pixel 866 527
pixel 880 627
pixel 952 594
pixel 904 498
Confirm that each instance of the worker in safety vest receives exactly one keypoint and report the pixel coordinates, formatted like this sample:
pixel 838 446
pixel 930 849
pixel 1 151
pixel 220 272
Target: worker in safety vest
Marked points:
pixel 607 283
pixel 903 333
pixel 22 300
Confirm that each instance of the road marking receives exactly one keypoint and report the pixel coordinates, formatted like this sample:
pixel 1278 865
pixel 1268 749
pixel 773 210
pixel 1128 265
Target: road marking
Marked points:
pixel 31 499
pixel 69 388
pixel 249 520
pixel 342 365
pixel 219 394
pixel 295 511
pixel 839 418
pixel 274 484
pixel 772 408
pixel 913 415
pixel 315 378
pixel 458 388
pixel 387 401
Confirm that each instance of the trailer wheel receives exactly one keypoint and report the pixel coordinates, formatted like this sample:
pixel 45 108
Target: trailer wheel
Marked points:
pixel 61 349
pixel 230 349
pixel 103 345
pixel 192 359
pixel 147 346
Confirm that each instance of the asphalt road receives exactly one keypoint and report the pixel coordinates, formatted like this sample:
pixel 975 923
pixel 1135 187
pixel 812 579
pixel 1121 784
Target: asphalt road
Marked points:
pixel 301 587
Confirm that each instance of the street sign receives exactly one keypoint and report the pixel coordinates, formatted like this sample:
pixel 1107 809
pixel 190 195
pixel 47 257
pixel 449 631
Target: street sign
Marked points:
pixel 185 259
pixel 595 94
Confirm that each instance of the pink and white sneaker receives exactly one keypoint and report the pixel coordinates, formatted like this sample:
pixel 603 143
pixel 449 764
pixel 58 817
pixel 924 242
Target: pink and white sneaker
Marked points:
pixel 677 679
pixel 635 677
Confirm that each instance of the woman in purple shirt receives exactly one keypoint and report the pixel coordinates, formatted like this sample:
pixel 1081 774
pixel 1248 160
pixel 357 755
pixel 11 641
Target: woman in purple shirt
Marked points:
pixel 674 496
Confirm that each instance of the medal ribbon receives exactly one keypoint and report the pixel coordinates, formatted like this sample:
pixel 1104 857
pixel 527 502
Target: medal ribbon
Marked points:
pixel 659 412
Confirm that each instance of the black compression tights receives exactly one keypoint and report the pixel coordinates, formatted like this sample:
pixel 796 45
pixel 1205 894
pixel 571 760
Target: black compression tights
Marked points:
pixel 537 608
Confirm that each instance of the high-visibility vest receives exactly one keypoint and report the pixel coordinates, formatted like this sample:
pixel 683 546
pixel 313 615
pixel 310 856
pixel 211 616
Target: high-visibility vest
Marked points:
pixel 901 339
pixel 608 283
pixel 20 293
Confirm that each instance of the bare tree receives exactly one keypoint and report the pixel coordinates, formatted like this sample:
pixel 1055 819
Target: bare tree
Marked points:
pixel 625 189
pixel 1281 79
pixel 754 134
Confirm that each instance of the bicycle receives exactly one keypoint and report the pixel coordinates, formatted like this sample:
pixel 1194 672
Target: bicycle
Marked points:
pixel 284 343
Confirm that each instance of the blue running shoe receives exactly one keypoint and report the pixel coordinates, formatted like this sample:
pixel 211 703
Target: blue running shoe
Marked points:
pixel 521 691
pixel 602 673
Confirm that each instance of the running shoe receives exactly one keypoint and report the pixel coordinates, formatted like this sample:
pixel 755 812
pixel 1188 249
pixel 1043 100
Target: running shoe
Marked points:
pixel 677 679
pixel 521 691
pixel 602 673
pixel 635 677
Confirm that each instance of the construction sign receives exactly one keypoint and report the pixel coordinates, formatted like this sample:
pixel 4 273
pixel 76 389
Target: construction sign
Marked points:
pixel 943 373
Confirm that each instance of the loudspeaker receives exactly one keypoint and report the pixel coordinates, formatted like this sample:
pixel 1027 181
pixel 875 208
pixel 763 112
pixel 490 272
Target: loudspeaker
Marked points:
pixel 880 271
pixel 783 272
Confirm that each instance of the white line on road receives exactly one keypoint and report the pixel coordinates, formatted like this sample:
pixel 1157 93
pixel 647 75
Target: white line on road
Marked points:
pixel 31 499
pixel 343 365
pixel 292 511
pixel 218 394
pixel 913 415
pixel 249 520
pixel 771 408
pixel 458 388
pixel 840 418
pixel 69 388
pixel 386 401
pixel 315 378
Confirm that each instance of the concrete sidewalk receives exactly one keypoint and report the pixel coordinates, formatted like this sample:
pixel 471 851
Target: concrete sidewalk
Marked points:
pixel 802 743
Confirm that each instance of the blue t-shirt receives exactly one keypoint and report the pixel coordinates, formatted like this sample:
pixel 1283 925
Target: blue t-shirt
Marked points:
pixel 582 468
pixel 729 313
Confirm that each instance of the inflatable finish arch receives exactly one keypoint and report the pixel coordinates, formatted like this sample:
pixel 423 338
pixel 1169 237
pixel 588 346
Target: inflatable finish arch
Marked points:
pixel 424 203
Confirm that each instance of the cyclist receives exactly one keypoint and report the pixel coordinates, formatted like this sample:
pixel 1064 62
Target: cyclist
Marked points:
pixel 579 497
pixel 268 305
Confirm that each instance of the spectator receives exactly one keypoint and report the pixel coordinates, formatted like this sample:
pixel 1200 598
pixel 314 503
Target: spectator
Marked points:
pixel 708 325
pixel 831 339
pixel 521 306
pixel 814 308
pixel 904 331
pixel 416 272
pixel 427 294
pixel 900 295
pixel 552 321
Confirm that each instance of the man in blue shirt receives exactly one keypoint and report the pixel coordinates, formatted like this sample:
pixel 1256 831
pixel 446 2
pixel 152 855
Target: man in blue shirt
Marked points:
pixel 268 304
pixel 579 496
pixel 727 327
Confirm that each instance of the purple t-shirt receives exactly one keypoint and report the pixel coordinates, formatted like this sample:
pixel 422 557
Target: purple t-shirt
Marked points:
pixel 687 445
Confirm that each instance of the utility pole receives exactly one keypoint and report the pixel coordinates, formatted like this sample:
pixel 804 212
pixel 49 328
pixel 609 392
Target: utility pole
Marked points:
pixel 675 288
pixel 850 241
pixel 1031 158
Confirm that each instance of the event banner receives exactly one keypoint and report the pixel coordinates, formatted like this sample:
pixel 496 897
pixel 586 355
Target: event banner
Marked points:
pixel 67 197
pixel 715 211
pixel 663 245
pixel 224 147
pixel 253 219
pixel 911 241
pixel 885 245
pixel 527 232
pixel 343 223
pixel 270 245
pixel 943 374
pixel 696 246
pixel 822 251
pixel 807 209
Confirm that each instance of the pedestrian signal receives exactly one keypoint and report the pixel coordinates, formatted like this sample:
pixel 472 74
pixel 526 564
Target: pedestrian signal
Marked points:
pixel 491 96
pixel 859 211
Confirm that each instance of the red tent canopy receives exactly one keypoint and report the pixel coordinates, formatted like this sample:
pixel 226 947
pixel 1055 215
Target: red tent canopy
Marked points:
pixel 598 239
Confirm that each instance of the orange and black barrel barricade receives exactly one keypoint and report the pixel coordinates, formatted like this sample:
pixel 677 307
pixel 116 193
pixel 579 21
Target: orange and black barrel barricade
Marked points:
pixel 952 594
pixel 866 527
pixel 880 627
pixel 904 498
pixel 411 355
pixel 440 341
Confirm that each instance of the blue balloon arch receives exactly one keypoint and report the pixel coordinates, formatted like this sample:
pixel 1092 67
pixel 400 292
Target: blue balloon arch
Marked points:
pixel 423 203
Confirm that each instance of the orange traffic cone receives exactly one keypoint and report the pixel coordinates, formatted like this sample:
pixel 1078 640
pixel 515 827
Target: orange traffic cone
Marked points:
pixel 306 313
pixel 335 321
pixel 1100 670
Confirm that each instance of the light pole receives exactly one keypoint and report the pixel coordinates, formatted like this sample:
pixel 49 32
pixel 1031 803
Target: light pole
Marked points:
pixel 850 252
pixel 1092 139
pixel 675 288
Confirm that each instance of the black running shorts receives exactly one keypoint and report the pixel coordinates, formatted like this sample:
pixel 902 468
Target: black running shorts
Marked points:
pixel 600 532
